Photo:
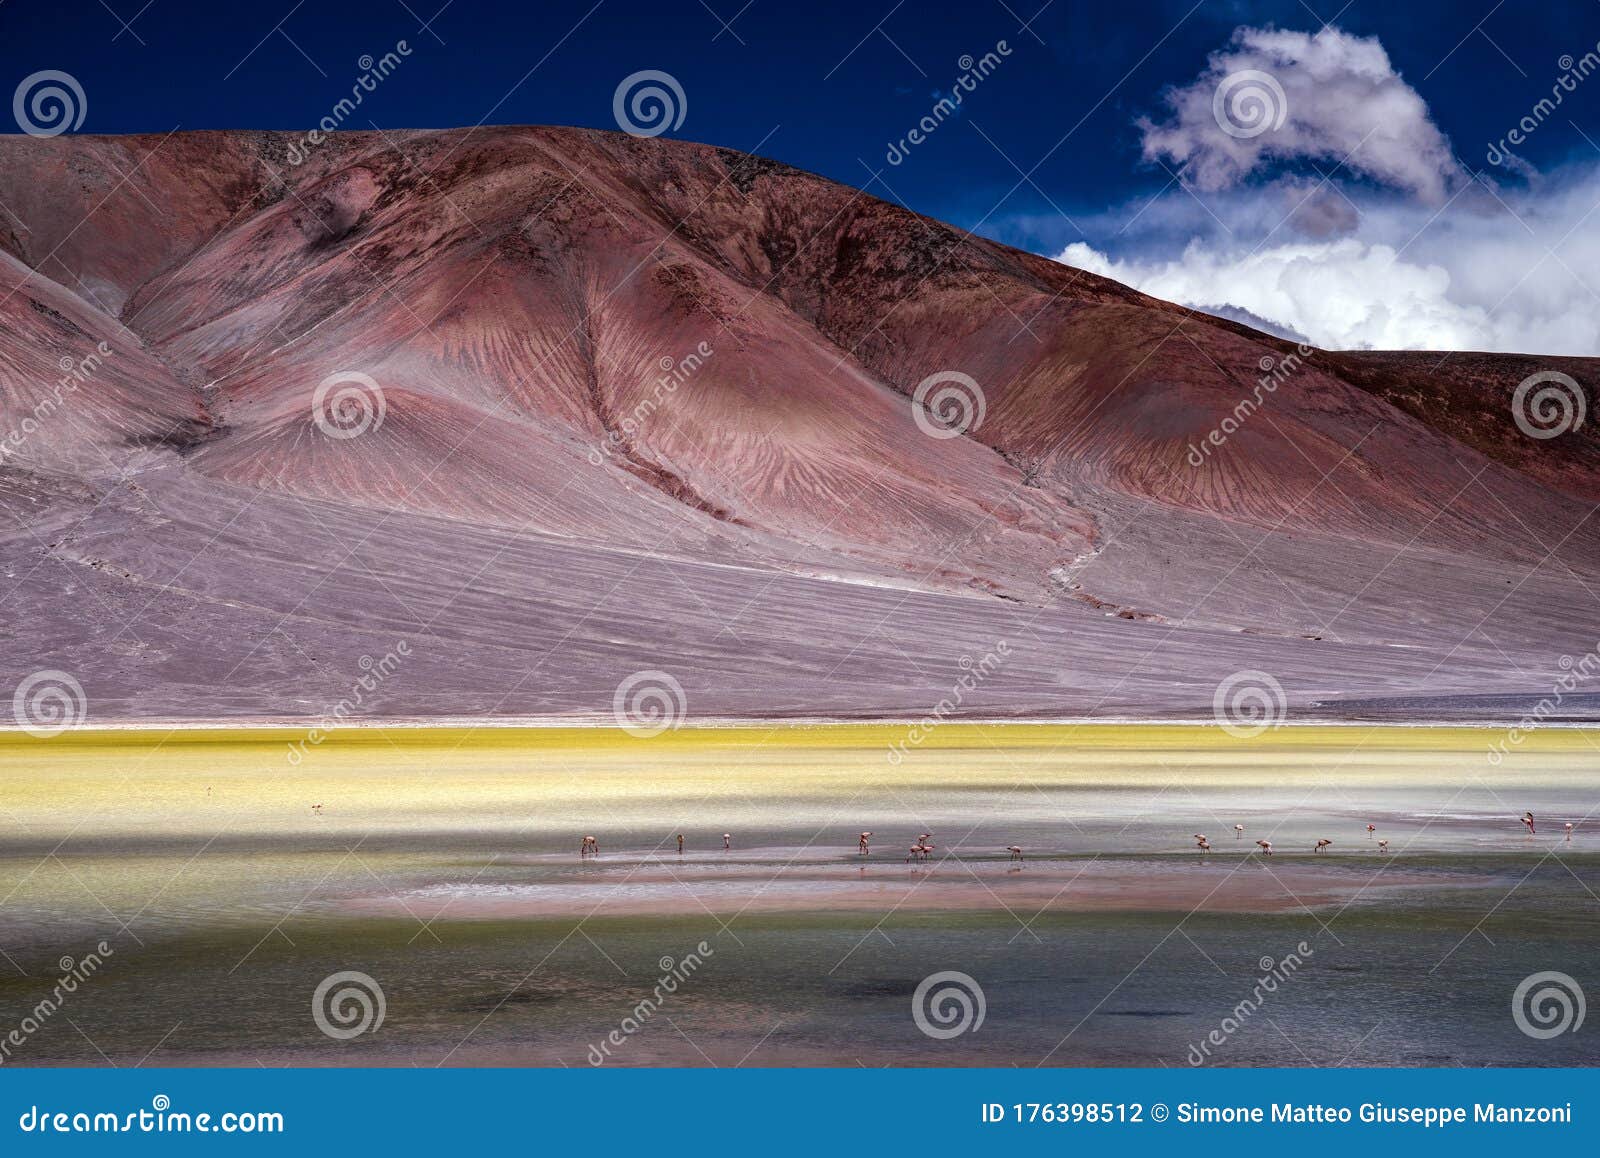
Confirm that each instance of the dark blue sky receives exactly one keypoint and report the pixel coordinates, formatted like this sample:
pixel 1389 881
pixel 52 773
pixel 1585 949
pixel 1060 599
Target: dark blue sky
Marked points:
pixel 809 83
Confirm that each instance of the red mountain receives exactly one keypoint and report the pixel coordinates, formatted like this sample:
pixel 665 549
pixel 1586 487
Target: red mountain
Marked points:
pixel 647 404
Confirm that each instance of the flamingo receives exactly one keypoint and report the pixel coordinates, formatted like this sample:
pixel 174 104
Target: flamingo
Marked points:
pixel 1527 818
pixel 864 849
pixel 727 841
pixel 1200 836
pixel 1204 845
pixel 1265 846
pixel 589 847
pixel 1322 844
pixel 1015 851
pixel 1383 846
pixel 1569 829
pixel 1371 828
pixel 1238 831
pixel 916 852
pixel 680 844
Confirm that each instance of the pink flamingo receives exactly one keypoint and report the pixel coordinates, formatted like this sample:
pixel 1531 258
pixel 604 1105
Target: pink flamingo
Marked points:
pixel 727 841
pixel 1203 844
pixel 1265 846
pixel 1322 844
pixel 1371 828
pixel 1238 831
pixel 1569 830
pixel 864 849
pixel 1527 819
pixel 1015 851
pixel 590 847
pixel 916 852
pixel 1383 846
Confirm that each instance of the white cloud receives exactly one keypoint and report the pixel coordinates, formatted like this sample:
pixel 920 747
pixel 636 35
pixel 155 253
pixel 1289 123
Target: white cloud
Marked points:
pixel 1507 271
pixel 1274 97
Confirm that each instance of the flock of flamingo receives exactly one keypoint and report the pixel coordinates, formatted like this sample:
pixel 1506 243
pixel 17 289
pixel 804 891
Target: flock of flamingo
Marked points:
pixel 924 846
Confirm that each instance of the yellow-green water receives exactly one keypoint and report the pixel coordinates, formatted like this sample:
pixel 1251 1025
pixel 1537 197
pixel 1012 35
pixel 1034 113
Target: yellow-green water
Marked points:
pixel 444 864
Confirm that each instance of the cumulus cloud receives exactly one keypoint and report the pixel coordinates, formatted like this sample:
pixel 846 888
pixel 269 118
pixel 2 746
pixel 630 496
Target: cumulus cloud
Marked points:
pixel 1512 272
pixel 1274 97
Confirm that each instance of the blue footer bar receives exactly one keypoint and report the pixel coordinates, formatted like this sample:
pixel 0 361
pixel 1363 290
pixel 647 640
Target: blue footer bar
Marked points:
pixel 688 1112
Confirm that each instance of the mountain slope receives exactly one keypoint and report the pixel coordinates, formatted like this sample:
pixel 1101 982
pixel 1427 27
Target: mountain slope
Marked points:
pixel 602 356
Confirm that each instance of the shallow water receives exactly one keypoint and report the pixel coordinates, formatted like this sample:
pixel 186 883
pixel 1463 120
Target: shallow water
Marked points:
pixel 452 878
